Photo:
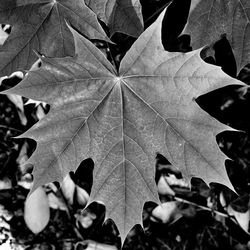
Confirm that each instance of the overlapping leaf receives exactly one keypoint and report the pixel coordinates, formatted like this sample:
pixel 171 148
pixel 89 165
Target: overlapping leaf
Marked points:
pixel 120 15
pixel 208 20
pixel 122 119
pixel 40 25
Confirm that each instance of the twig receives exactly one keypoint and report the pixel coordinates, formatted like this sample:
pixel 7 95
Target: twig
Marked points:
pixel 201 206
pixel 157 12
pixel 6 127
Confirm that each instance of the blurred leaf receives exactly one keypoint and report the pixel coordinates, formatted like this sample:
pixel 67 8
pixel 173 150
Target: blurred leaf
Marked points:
pixel 22 158
pixel 26 181
pixel 173 181
pixel 37 103
pixel 40 112
pixel 5 184
pixel 56 203
pixel 164 188
pixel 242 218
pixel 166 212
pixel 3 35
pixel 18 101
pixel 68 189
pixel 199 186
pixel 86 218
pixel 36 211
pixel 82 196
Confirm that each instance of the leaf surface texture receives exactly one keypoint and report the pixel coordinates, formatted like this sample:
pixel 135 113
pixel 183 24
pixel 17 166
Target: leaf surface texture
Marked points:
pixel 40 25
pixel 123 16
pixel 123 119
pixel 209 20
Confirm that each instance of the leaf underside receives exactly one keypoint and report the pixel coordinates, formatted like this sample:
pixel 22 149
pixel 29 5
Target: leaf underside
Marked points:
pixel 123 119
pixel 40 25
pixel 209 20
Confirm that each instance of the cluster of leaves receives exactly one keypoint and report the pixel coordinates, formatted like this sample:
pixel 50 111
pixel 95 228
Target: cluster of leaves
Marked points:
pixel 121 112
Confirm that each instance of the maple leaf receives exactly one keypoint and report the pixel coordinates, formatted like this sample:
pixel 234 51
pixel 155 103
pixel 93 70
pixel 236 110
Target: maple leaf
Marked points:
pixel 209 20
pixel 120 15
pixel 39 25
pixel 122 119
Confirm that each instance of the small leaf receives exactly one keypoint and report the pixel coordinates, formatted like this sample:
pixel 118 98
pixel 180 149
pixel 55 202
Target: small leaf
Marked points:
pixel 26 181
pixel 22 159
pixel 164 188
pixel 40 112
pixel 82 196
pixel 18 101
pixel 242 218
pixel 85 219
pixel 3 35
pixel 68 189
pixel 5 183
pixel 36 211
pixel 166 212
pixel 56 202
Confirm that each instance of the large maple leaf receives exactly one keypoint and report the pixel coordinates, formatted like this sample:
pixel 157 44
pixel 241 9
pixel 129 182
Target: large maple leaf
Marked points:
pixel 122 119
pixel 40 25
pixel 209 20
pixel 123 16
